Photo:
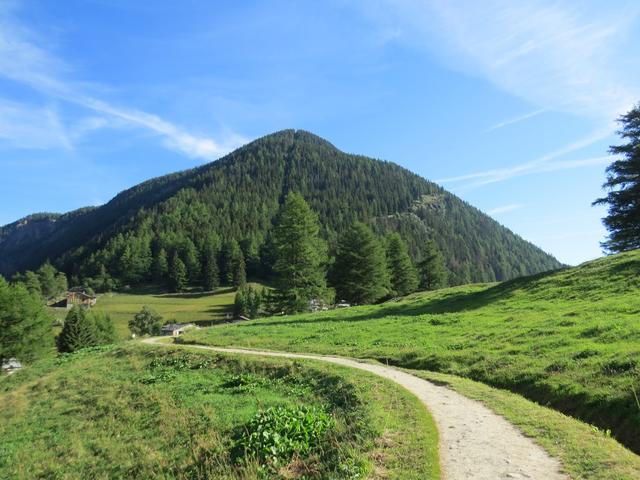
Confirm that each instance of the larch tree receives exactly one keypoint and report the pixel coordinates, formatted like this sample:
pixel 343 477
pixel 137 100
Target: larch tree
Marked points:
pixel 177 273
pixel 299 255
pixel 623 184
pixel 432 271
pixel 402 272
pixel 210 275
pixel 359 273
pixel 25 326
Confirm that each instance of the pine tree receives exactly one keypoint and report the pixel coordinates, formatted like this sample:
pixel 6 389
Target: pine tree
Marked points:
pixel 210 277
pixel 359 273
pixel 623 183
pixel 432 270
pixel 25 325
pixel 160 266
pixel 403 275
pixel 177 273
pixel 79 331
pixel 299 255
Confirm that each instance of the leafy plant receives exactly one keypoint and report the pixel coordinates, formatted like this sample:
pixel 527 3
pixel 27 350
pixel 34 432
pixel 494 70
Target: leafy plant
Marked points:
pixel 276 434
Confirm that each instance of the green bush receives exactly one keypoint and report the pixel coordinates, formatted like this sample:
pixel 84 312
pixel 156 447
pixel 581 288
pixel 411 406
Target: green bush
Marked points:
pixel 276 434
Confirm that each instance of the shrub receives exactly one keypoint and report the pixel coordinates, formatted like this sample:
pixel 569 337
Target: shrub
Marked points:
pixel 146 322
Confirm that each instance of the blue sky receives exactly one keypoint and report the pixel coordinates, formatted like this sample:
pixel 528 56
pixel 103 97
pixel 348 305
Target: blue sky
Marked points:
pixel 510 105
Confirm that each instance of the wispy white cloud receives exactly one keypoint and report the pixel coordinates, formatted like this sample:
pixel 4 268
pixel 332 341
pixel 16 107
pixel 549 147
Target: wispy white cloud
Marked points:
pixel 517 119
pixel 544 163
pixel 26 126
pixel 551 54
pixel 505 209
pixel 23 61
pixel 554 55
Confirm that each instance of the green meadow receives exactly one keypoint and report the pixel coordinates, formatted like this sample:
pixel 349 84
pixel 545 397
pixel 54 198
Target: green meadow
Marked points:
pixel 204 308
pixel 568 339
pixel 134 411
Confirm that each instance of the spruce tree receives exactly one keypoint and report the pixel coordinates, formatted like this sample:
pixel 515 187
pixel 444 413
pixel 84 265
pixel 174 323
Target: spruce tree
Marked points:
pixel 623 183
pixel 25 325
pixel 228 261
pixel 299 255
pixel 432 270
pixel 79 331
pixel 210 278
pixel 402 272
pixel 177 273
pixel 359 274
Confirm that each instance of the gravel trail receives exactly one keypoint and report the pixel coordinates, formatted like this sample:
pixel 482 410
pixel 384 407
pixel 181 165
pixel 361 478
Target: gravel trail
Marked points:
pixel 475 443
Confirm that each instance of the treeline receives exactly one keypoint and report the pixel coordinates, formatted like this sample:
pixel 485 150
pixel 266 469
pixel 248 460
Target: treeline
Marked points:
pixel 137 236
pixel 365 269
pixel 47 282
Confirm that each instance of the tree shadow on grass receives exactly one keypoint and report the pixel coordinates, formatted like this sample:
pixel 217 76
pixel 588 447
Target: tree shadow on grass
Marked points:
pixel 449 303
pixel 187 295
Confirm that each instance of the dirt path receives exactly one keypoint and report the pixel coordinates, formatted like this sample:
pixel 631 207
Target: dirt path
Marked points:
pixel 475 443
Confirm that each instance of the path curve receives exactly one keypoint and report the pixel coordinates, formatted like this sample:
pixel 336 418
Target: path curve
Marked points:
pixel 475 443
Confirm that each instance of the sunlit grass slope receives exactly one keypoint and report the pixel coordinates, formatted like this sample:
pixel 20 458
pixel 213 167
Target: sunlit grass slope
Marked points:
pixel 202 308
pixel 569 339
pixel 133 411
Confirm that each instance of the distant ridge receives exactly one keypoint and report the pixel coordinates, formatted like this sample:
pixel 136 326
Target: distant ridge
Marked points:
pixel 237 197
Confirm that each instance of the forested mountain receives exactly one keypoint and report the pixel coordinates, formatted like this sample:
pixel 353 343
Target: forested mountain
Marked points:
pixel 232 201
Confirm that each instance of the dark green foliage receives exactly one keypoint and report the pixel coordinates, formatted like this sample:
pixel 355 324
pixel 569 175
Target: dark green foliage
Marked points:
pixel 276 434
pixel 177 273
pixel 79 331
pixel 299 255
pixel 48 282
pixel 31 281
pixel 25 326
pixel 623 183
pixel 146 322
pixel 248 302
pixel 236 199
pixel 160 266
pixel 359 274
pixel 210 274
pixel 431 270
pixel 239 271
pixel 402 273
pixel 105 329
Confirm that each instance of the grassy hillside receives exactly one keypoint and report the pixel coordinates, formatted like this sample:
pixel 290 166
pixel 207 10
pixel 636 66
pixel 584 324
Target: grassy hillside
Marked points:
pixel 568 339
pixel 154 412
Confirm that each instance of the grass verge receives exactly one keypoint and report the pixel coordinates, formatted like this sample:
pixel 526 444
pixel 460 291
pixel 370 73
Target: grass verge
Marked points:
pixel 163 412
